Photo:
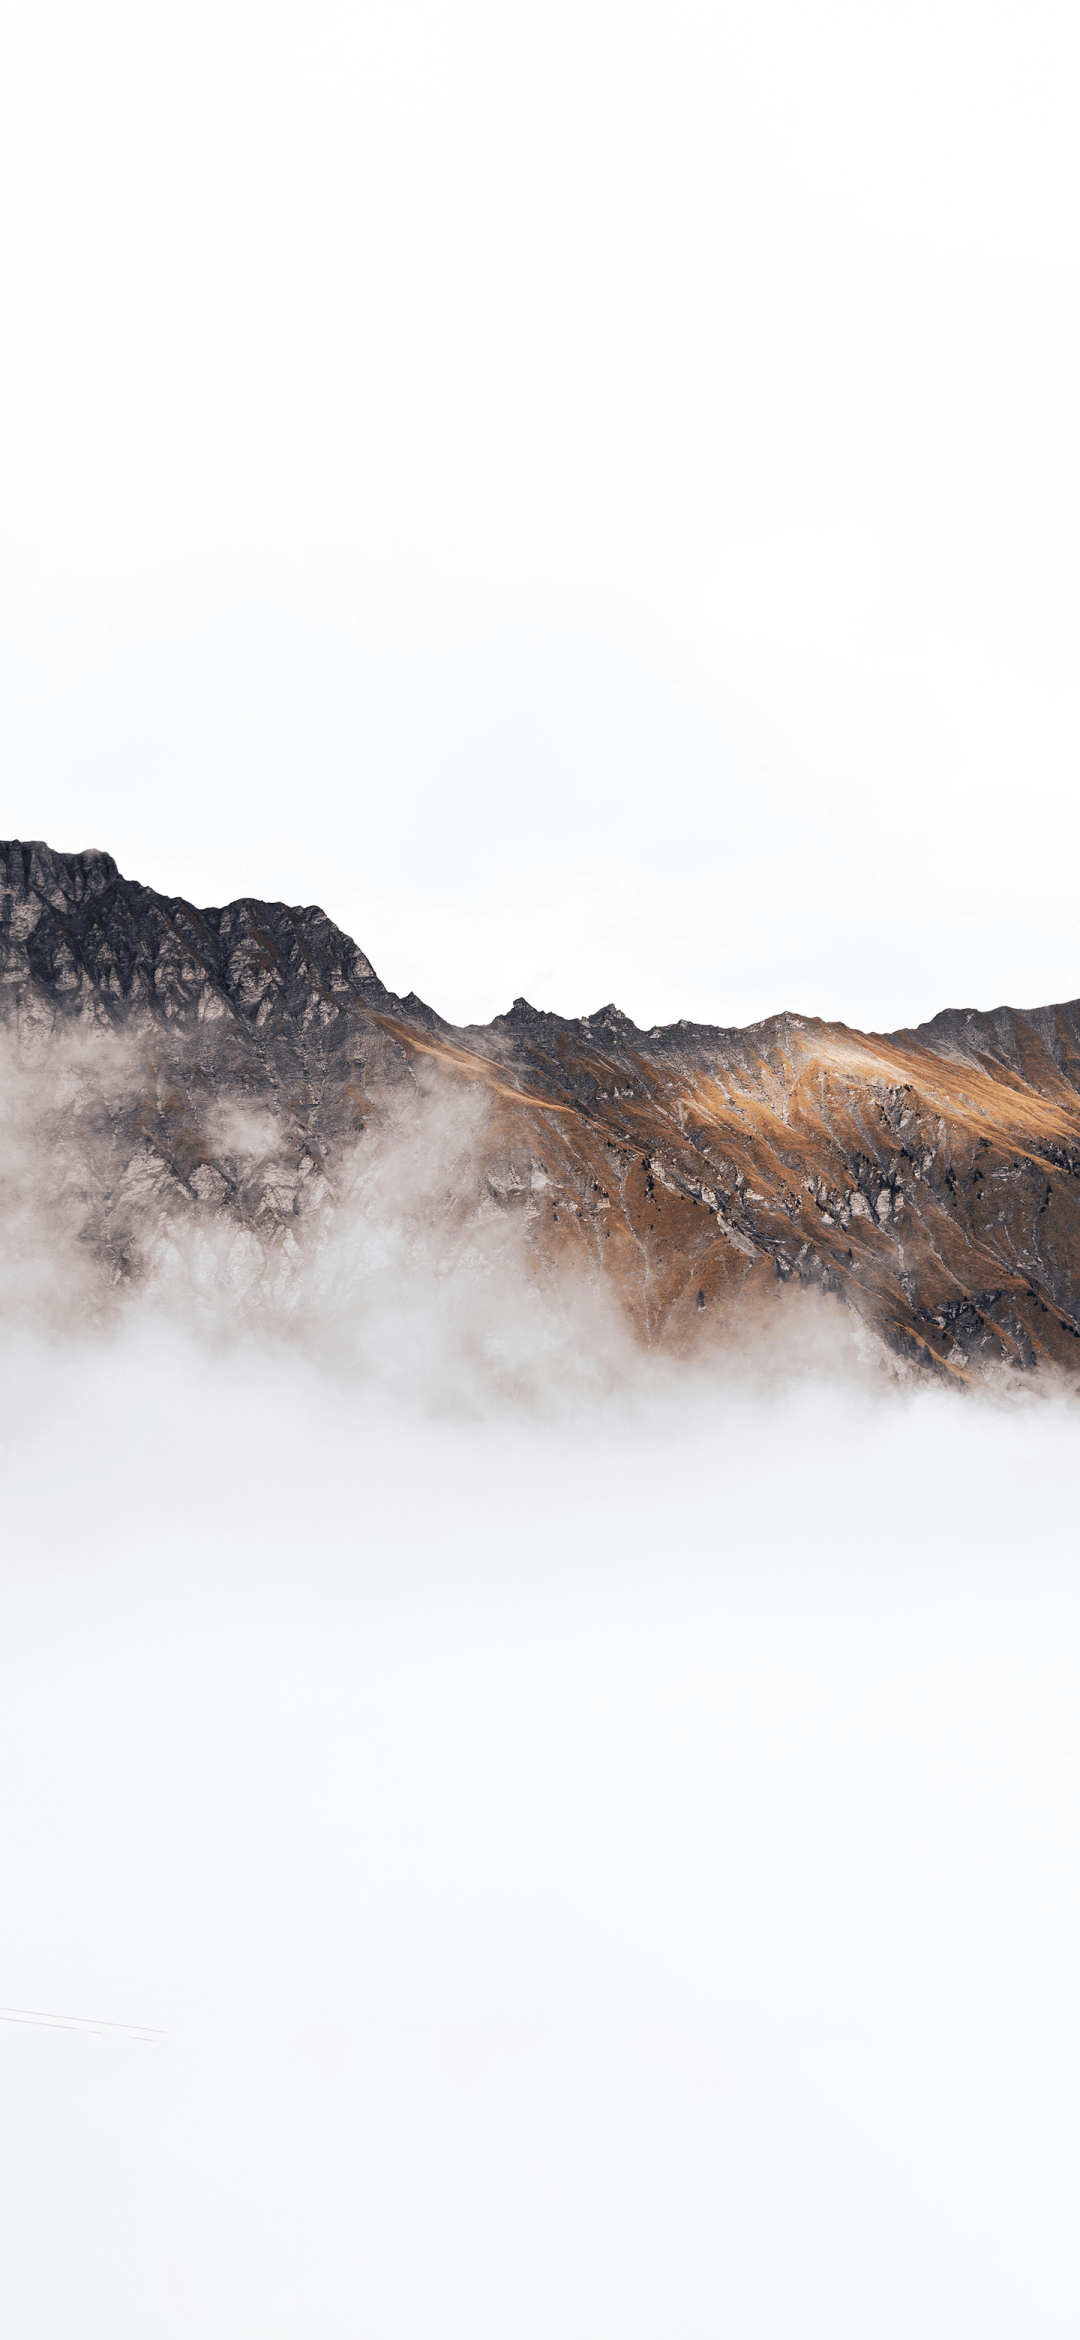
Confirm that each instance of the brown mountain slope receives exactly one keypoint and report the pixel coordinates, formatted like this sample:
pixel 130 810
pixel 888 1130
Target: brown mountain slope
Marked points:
pixel 927 1178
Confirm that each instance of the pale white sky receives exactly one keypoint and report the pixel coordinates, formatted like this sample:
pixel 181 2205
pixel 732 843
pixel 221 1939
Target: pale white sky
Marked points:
pixel 588 494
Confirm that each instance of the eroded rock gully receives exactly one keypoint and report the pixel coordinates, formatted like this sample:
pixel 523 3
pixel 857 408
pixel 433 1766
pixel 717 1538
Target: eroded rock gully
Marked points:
pixel 222 1065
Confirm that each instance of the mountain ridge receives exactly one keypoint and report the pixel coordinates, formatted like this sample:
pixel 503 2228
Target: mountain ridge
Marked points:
pixel 926 1178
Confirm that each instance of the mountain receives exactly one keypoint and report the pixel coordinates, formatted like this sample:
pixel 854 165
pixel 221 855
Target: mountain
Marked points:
pixel 928 1179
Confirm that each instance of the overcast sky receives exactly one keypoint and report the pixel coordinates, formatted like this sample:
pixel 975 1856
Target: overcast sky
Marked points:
pixel 587 493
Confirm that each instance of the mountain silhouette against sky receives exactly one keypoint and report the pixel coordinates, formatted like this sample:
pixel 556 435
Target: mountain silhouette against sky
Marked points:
pixel 929 1180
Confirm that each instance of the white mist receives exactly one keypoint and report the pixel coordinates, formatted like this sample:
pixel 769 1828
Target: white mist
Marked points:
pixel 605 1880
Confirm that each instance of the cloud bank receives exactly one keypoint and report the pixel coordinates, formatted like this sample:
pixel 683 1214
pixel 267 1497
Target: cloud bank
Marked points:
pixel 591 1841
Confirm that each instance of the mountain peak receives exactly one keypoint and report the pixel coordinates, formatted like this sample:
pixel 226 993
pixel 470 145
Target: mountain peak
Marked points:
pixel 927 1180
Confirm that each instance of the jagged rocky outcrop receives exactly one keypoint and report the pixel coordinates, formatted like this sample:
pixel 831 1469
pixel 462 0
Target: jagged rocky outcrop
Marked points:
pixel 929 1179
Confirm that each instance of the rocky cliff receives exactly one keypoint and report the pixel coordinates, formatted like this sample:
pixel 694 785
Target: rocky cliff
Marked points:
pixel 225 1065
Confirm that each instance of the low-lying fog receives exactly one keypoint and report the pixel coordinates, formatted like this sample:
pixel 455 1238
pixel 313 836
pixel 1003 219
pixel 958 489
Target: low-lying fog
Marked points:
pixel 593 1877
pixel 504 1834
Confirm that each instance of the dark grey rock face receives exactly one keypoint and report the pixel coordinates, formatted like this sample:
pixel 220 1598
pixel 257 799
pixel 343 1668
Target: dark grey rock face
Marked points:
pixel 256 1009
pixel 77 937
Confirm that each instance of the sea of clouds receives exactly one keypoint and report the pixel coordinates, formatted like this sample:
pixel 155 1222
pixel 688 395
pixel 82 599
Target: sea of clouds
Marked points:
pixel 505 1835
